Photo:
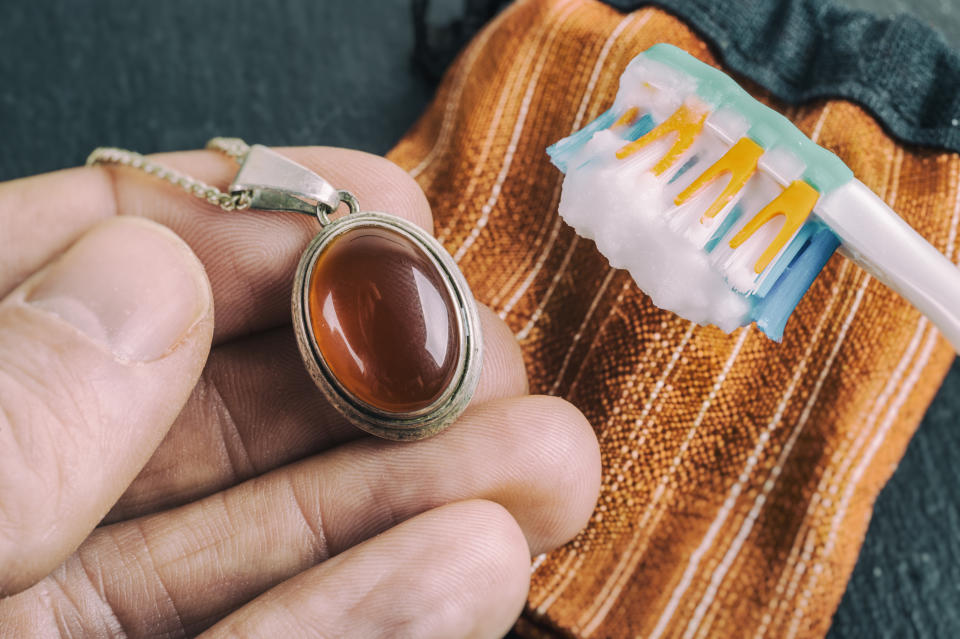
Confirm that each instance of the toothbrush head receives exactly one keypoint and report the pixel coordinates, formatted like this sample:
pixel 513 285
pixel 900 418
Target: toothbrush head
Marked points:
pixel 705 195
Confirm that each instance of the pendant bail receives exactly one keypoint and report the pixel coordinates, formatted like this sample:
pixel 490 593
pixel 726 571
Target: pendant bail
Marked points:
pixel 277 183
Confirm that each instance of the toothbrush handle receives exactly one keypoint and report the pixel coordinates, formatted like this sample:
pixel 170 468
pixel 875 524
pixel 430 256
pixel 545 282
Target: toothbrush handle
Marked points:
pixel 880 241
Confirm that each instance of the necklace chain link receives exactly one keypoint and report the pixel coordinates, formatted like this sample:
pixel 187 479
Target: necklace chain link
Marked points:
pixel 231 147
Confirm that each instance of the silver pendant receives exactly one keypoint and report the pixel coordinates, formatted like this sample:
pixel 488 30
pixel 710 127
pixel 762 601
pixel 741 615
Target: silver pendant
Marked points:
pixel 385 321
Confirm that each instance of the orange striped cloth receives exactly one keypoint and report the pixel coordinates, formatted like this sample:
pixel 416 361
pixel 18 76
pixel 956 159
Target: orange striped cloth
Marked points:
pixel 739 473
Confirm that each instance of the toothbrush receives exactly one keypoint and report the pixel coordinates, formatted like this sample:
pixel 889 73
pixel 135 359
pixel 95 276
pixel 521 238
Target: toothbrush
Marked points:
pixel 723 211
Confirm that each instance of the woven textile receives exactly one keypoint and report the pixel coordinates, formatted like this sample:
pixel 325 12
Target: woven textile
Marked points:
pixel 738 473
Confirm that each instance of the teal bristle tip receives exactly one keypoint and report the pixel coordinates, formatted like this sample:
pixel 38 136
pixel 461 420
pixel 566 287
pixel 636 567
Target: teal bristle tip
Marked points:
pixel 724 228
pixel 640 128
pixel 683 169
pixel 561 152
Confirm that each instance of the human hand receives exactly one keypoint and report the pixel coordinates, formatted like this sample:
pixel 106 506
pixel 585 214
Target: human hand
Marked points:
pixel 148 489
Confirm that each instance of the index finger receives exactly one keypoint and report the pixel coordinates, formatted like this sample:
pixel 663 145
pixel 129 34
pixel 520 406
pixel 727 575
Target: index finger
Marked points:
pixel 250 256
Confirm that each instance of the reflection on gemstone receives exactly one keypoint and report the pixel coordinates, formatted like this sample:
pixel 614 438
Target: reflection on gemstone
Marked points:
pixel 330 317
pixel 383 319
pixel 433 305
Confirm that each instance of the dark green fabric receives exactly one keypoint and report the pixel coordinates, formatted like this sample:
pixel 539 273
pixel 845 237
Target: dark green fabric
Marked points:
pixel 168 75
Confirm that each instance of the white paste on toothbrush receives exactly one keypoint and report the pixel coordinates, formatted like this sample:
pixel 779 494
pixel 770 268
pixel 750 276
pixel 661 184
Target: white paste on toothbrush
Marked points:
pixel 620 205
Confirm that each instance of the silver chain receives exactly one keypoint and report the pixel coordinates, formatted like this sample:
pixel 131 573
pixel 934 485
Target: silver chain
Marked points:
pixel 231 147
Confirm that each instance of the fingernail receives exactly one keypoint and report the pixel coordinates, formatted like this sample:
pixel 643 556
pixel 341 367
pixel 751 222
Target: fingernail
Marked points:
pixel 129 284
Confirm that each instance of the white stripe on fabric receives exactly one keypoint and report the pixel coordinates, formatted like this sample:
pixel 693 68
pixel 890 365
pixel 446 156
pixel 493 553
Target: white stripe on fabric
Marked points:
pixel 597 611
pixel 494 129
pixel 583 325
pixel 518 126
pixel 555 591
pixel 453 103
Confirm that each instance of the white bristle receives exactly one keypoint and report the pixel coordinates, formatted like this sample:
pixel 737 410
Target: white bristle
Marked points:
pixel 658 87
pixel 728 125
pixel 782 165
pixel 737 265
pixel 707 149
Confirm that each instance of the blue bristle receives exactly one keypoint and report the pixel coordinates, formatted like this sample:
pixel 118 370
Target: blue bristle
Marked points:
pixel 771 311
pixel 639 128
pixel 683 169
pixel 727 224
pixel 786 259
pixel 561 151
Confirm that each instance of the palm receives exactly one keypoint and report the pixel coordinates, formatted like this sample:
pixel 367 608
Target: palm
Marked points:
pixel 258 481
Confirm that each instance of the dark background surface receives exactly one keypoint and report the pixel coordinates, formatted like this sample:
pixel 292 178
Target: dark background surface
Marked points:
pixel 169 75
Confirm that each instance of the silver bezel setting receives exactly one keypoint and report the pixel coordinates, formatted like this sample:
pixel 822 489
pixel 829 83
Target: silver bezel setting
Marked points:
pixel 452 402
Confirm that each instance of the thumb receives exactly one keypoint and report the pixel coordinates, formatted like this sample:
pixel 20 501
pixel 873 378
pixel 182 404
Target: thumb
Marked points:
pixel 99 351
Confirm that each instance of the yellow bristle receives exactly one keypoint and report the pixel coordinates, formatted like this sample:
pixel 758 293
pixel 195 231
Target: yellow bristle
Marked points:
pixel 795 203
pixel 740 162
pixel 686 122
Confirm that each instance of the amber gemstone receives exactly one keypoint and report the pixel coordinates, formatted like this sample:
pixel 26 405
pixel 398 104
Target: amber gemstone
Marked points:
pixel 383 319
